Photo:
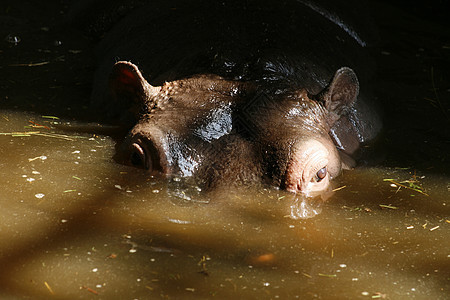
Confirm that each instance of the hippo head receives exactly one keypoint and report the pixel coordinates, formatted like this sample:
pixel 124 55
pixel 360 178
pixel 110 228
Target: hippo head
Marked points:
pixel 299 134
pixel 225 131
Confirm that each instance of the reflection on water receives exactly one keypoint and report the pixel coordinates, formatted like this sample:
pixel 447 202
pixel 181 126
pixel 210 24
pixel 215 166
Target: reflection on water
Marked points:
pixel 304 208
pixel 184 192
pixel 75 224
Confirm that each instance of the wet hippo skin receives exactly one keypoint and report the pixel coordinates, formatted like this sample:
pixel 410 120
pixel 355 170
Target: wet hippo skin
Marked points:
pixel 238 92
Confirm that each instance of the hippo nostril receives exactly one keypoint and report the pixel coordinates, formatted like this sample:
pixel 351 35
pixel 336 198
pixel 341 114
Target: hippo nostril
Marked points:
pixel 321 174
pixel 138 157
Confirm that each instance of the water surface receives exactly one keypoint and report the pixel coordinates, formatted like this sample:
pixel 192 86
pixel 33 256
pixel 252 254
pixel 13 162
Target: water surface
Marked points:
pixel 75 224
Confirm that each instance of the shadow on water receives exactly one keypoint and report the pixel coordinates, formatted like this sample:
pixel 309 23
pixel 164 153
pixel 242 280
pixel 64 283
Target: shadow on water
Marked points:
pixel 161 244
pixel 82 223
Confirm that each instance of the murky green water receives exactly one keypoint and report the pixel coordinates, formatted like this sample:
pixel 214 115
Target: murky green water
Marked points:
pixel 75 224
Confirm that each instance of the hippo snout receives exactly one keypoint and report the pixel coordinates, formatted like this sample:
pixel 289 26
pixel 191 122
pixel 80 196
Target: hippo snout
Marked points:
pixel 311 167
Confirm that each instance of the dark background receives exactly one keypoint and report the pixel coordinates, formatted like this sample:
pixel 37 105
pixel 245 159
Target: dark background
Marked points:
pixel 46 66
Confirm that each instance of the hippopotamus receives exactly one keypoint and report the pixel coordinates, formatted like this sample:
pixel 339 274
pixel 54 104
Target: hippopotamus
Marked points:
pixel 237 92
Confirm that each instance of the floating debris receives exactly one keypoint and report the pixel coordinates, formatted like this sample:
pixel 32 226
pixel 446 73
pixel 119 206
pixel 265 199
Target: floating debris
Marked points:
pixel 434 228
pixel 39 195
pixel 267 258
pixel 12 39
pixel 388 206
pixel 36 125
pixel 339 188
pixel 379 295
pixel 328 275
pixel 42 63
pixel 202 263
pixel 89 290
pixel 112 256
pixel 176 221
pixel 39 133
pixel 412 185
pixel 18 134
pixel 42 157
pixel 48 288
pixel 50 117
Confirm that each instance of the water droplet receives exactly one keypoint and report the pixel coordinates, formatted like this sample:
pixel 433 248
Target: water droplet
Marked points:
pixel 12 39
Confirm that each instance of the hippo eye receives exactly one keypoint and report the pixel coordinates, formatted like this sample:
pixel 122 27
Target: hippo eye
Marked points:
pixel 139 157
pixel 321 174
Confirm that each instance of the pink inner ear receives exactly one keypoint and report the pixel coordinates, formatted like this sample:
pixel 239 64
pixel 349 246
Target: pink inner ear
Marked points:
pixel 127 76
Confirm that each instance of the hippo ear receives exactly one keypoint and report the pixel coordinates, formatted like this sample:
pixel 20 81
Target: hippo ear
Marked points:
pixel 341 93
pixel 128 88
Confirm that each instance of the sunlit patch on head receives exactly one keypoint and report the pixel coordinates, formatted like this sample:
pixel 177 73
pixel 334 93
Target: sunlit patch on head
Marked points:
pixel 312 166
